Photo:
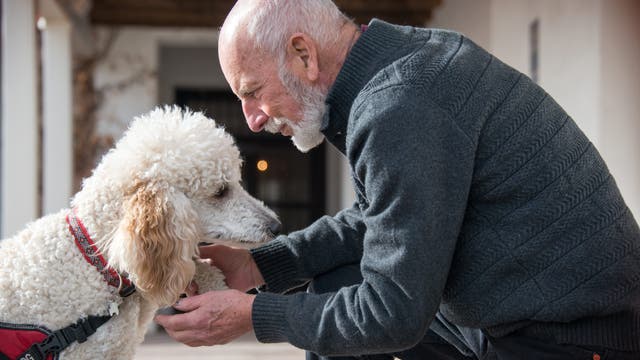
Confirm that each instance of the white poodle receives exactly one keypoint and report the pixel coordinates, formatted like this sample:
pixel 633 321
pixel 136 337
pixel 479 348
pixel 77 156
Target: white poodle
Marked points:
pixel 171 182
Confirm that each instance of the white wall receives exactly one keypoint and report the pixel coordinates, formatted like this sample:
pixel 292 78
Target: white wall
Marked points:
pixel 619 112
pixel 19 203
pixel 588 61
pixel 472 18
pixel 340 192
pixel 135 55
pixel 570 56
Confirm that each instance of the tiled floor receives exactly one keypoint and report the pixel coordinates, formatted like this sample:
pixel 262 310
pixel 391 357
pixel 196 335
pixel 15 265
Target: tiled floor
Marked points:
pixel 158 345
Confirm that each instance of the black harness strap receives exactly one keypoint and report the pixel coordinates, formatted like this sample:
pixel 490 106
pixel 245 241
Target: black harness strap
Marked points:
pixel 61 339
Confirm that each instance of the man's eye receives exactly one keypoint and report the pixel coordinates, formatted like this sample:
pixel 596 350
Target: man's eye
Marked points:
pixel 222 191
pixel 252 92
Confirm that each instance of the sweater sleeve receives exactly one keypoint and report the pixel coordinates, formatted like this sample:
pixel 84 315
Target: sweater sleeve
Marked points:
pixel 415 166
pixel 333 241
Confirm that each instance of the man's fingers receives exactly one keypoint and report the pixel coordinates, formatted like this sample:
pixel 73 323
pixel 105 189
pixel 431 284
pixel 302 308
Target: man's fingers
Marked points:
pixel 188 303
pixel 174 323
pixel 215 317
pixel 179 322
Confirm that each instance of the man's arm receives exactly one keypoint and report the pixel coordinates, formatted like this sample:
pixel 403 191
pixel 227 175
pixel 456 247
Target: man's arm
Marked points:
pixel 416 166
pixel 330 242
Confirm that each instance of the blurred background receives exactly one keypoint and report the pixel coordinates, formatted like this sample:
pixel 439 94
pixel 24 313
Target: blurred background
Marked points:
pixel 74 73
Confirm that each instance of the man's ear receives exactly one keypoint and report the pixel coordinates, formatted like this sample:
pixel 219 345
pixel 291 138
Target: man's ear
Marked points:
pixel 302 55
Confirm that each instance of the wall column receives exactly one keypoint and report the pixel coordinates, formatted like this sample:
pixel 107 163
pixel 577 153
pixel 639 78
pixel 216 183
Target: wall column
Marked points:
pixel 19 198
pixel 57 116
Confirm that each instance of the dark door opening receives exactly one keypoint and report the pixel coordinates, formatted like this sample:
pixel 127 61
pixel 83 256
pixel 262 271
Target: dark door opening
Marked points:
pixel 274 171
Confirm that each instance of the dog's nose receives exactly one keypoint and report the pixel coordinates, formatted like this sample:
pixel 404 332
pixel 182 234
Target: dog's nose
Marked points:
pixel 275 227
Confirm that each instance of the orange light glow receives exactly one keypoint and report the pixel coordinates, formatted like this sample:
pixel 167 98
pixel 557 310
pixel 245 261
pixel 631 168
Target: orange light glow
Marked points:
pixel 262 165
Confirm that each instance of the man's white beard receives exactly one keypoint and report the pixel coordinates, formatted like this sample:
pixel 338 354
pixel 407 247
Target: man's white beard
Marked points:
pixel 306 133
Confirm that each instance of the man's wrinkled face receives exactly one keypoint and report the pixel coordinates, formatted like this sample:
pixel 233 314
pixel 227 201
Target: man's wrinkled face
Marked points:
pixel 275 101
pixel 306 132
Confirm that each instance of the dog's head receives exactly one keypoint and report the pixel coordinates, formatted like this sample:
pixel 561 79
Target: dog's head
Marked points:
pixel 182 187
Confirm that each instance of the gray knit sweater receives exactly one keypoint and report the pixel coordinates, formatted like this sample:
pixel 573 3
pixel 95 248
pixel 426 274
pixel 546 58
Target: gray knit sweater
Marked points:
pixel 476 195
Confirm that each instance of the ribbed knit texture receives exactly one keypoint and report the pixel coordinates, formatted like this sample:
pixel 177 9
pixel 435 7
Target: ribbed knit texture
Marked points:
pixel 276 264
pixel 272 325
pixel 476 195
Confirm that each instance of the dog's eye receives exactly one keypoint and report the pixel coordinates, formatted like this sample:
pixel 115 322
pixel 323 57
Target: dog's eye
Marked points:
pixel 222 191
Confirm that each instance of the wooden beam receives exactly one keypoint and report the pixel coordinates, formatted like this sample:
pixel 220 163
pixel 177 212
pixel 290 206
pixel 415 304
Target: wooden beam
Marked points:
pixel 208 13
pixel 189 13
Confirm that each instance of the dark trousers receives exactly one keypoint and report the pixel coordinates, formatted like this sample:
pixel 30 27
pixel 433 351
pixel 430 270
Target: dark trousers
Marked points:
pixel 471 344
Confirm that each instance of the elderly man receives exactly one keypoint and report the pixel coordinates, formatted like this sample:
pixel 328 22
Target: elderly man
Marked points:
pixel 486 224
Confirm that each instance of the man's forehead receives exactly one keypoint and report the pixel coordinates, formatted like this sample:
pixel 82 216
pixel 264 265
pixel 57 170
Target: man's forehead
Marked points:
pixel 241 52
pixel 250 66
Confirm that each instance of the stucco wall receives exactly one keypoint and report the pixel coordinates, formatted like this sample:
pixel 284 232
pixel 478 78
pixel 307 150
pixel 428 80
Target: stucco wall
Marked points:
pixel 133 61
pixel 619 112
pixel 472 18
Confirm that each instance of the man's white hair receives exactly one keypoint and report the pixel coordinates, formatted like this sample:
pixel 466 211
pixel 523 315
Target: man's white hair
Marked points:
pixel 274 21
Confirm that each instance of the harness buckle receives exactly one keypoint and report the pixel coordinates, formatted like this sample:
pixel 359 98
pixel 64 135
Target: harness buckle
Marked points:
pixel 53 344
pixel 77 331
pixel 61 339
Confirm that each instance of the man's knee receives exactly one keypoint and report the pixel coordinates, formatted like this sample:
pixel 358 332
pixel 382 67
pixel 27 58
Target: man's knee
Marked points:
pixel 335 279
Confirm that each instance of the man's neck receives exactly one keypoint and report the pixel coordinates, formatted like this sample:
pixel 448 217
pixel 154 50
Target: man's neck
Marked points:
pixel 334 60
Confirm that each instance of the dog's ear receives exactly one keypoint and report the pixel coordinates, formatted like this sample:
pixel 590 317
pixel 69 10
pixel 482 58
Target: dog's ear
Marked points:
pixel 155 241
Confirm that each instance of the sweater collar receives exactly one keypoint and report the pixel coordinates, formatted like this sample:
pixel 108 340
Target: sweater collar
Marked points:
pixel 373 50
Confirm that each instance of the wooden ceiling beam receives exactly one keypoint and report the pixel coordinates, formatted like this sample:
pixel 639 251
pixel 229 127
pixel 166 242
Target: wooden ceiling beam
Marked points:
pixel 387 5
pixel 210 13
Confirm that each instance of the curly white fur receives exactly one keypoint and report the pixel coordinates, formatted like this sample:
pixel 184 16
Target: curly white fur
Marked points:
pixel 171 182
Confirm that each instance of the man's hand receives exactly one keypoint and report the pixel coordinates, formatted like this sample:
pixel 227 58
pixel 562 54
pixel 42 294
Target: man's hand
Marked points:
pixel 237 265
pixel 213 318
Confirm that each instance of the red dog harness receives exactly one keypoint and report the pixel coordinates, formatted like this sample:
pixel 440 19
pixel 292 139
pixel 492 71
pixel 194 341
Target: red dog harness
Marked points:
pixel 32 342
pixel 93 256
pixel 17 338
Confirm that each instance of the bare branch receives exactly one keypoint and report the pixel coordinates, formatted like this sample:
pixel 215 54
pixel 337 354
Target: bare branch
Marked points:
pixel 80 24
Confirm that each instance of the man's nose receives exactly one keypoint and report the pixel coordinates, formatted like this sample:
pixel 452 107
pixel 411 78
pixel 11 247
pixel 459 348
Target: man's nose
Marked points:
pixel 256 118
